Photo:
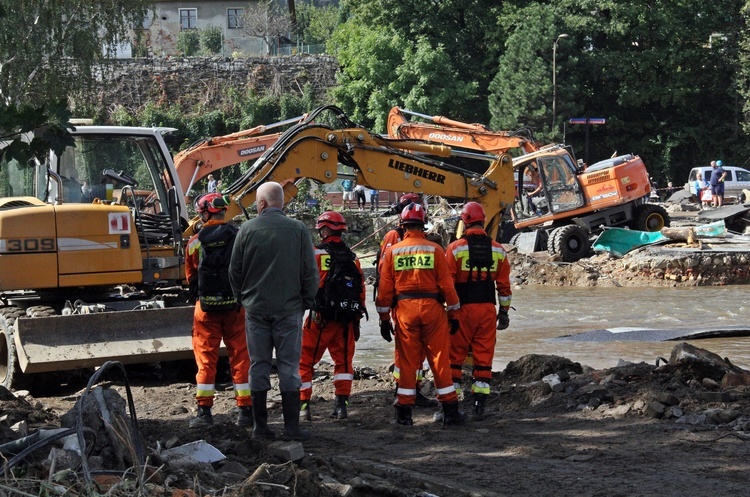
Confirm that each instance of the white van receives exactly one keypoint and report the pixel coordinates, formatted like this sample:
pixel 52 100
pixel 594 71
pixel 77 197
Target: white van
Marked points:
pixel 737 180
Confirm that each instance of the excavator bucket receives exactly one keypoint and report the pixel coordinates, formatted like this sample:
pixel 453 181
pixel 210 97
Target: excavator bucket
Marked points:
pixel 60 343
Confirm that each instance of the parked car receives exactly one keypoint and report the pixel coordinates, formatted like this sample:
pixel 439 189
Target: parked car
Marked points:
pixel 737 180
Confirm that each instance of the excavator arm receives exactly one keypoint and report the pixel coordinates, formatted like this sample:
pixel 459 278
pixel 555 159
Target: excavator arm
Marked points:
pixel 211 154
pixel 458 134
pixel 313 150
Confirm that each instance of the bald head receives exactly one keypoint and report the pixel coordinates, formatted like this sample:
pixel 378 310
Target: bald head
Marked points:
pixel 269 194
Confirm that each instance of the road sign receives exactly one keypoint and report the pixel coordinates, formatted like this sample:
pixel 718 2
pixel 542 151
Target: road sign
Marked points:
pixel 588 120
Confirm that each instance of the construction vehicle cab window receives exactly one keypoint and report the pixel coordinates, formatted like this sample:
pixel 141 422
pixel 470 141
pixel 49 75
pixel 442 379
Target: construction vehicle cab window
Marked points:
pixel 573 204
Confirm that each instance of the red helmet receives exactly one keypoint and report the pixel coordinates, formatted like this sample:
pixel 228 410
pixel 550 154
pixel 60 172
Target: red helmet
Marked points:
pixel 413 214
pixel 472 213
pixel 408 198
pixel 211 202
pixel 331 219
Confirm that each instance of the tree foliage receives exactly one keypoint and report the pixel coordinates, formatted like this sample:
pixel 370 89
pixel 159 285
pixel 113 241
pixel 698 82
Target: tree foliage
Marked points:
pixel 48 49
pixel 462 33
pixel 662 73
pixel 189 42
pixel 268 21
pixel 211 40
pixel 381 68
pixel 316 24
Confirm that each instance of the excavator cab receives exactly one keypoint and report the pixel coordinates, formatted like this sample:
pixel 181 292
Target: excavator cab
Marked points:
pixel 561 189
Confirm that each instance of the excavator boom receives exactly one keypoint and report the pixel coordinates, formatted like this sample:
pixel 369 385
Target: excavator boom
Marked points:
pixel 312 150
pixel 458 134
pixel 209 155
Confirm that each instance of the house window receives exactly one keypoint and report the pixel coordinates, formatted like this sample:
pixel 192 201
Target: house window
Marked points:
pixel 188 18
pixel 234 18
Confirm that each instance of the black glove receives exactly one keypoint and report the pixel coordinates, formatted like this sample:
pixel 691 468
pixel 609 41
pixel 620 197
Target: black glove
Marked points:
pixel 454 326
pixel 386 330
pixel 355 327
pixel 502 319
pixel 193 290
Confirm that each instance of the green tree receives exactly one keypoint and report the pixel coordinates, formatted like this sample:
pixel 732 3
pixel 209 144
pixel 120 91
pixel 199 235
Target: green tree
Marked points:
pixel 380 68
pixel 662 73
pixel 520 93
pixel 465 31
pixel 189 42
pixel 50 49
pixel 316 24
pixel 211 40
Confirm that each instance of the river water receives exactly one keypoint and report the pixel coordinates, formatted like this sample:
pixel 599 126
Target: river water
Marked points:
pixel 544 313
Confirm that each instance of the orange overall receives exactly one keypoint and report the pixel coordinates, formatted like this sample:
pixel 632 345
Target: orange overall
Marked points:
pixel 477 319
pixel 415 276
pixel 392 238
pixel 209 329
pixel 319 335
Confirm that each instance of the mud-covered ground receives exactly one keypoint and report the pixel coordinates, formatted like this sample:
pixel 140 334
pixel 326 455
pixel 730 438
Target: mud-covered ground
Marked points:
pixel 674 426
pixel 637 429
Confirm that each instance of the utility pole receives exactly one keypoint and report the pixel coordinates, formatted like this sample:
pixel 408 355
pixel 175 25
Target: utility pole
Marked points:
pixel 554 82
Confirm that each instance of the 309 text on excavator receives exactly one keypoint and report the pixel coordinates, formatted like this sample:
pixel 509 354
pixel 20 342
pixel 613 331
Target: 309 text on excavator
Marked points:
pixel 27 245
pixel 417 171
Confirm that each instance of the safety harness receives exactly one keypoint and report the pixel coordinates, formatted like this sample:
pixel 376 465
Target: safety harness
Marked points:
pixel 480 287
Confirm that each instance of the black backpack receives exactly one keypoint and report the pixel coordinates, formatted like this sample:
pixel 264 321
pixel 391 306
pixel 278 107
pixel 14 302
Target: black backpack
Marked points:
pixel 214 291
pixel 339 297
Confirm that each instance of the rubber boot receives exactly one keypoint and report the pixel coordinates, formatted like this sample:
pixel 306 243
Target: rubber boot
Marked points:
pixel 451 414
pixel 479 401
pixel 305 414
pixel 260 416
pixel 339 411
pixel 290 407
pixel 203 418
pixel 403 415
pixel 245 417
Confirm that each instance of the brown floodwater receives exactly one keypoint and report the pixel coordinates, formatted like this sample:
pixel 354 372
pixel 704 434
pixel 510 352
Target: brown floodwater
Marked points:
pixel 544 313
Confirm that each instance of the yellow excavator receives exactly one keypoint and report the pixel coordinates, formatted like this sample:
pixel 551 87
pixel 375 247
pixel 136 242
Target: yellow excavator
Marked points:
pixel 92 240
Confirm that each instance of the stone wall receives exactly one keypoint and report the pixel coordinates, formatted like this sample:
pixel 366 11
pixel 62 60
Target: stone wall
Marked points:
pixel 196 83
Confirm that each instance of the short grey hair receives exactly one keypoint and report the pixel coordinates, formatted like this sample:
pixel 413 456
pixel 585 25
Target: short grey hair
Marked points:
pixel 272 193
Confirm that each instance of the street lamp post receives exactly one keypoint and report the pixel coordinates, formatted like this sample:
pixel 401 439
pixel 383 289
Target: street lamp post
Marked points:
pixel 554 80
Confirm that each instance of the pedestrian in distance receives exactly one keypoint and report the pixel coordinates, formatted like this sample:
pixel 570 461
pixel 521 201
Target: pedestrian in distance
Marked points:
pixel 415 281
pixel 212 184
pixel 347 190
pixel 274 275
pixel 480 270
pixel 333 324
pixel 360 192
pixel 374 200
pixel 701 191
pixel 717 183
pixel 217 316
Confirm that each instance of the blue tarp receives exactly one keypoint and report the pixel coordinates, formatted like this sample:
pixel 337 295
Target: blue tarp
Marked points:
pixel 620 241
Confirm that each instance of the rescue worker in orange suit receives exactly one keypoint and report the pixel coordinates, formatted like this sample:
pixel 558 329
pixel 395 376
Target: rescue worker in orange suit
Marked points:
pixel 414 275
pixel 480 269
pixel 392 237
pixel 327 328
pixel 217 316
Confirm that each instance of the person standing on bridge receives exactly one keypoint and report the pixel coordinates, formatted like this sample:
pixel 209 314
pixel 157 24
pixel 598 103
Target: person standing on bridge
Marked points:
pixel 217 316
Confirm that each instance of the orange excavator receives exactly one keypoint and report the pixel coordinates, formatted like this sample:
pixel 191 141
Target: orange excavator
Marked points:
pixel 457 134
pixel 211 154
pixel 560 204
